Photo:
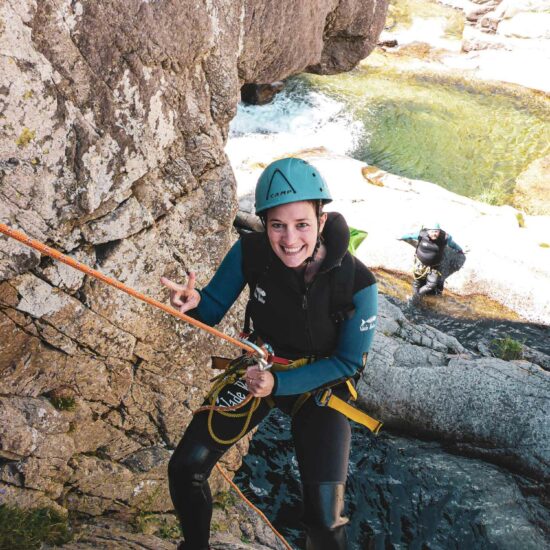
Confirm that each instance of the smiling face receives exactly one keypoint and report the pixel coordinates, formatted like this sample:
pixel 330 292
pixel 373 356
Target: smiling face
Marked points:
pixel 433 234
pixel 292 231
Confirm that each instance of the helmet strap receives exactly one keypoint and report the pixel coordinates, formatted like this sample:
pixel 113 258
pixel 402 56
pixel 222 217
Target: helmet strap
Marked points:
pixel 318 209
pixel 311 259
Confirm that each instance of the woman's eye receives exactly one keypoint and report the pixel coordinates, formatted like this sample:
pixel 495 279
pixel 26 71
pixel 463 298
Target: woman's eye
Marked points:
pixel 303 225
pixel 276 225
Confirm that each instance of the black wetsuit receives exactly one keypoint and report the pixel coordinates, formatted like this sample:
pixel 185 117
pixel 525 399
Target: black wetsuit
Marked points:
pixel 296 319
pixel 428 257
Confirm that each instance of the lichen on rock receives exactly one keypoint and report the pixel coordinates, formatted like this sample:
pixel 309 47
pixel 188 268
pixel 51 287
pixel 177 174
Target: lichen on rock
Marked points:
pixel 114 118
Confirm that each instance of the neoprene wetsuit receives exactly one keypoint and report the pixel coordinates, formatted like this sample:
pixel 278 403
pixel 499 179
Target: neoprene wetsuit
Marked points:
pixel 428 257
pixel 295 319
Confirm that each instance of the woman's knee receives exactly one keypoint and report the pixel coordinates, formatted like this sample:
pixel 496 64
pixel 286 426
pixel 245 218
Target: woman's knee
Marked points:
pixel 192 462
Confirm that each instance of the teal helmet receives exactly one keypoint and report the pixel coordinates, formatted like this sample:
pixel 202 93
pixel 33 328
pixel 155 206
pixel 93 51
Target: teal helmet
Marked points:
pixel 432 225
pixel 289 180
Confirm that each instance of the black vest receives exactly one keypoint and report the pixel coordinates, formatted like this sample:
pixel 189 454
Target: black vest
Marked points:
pixel 292 317
pixel 431 252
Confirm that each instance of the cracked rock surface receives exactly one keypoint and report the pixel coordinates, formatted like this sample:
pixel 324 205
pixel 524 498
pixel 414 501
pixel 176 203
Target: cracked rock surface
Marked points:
pixel 113 121
pixel 421 381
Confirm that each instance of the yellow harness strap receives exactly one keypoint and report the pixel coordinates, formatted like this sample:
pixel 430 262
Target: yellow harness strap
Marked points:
pixel 328 399
pixel 324 398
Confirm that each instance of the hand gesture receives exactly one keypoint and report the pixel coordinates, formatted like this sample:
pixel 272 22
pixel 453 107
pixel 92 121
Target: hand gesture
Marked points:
pixel 183 297
pixel 260 382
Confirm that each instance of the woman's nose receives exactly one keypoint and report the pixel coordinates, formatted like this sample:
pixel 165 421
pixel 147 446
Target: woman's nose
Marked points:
pixel 290 234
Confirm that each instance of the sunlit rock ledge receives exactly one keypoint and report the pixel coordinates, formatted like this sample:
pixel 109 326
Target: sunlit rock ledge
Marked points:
pixel 502 40
pixel 504 261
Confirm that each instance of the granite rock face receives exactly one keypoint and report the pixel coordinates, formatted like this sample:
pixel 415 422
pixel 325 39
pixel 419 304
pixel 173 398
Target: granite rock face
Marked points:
pixel 113 120
pixel 532 190
pixel 421 381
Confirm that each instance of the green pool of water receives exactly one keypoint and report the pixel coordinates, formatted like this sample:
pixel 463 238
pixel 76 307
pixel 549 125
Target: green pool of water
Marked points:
pixel 469 137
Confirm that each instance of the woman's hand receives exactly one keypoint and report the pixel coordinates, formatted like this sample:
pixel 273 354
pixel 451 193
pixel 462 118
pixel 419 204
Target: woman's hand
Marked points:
pixel 260 382
pixel 183 297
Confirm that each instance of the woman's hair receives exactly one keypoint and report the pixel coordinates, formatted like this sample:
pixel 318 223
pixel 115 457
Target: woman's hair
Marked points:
pixel 317 207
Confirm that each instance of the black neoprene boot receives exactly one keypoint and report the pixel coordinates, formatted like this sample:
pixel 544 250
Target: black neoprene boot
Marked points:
pixel 323 508
pixel 181 546
pixel 432 282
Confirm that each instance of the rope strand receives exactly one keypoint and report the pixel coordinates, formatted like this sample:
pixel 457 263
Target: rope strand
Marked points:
pixel 48 251
pixel 257 510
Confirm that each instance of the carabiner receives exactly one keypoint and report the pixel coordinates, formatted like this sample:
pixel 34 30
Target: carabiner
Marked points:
pixel 322 397
pixel 262 354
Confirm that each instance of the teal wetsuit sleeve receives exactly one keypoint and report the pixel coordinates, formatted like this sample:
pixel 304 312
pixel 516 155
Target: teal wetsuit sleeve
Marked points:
pixel 223 289
pixel 452 244
pixel 409 237
pixel 354 340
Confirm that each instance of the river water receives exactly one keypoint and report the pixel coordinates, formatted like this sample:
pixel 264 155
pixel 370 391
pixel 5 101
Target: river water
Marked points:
pixel 402 493
pixel 473 139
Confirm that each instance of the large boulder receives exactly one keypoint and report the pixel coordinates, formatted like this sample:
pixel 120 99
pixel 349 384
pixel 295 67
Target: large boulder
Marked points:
pixel 421 381
pixel 114 119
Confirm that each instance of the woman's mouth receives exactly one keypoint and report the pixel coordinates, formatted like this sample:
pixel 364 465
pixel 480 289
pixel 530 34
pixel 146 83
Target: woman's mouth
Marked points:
pixel 292 250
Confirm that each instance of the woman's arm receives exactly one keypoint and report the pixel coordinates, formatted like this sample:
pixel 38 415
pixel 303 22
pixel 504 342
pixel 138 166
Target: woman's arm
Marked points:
pixel 354 342
pixel 453 244
pixel 409 237
pixel 219 294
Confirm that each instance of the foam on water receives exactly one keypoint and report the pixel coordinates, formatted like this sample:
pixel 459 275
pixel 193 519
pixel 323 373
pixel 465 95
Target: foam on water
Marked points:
pixel 298 118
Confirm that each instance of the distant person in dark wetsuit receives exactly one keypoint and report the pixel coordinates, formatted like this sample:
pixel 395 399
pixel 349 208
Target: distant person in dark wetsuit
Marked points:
pixel 430 249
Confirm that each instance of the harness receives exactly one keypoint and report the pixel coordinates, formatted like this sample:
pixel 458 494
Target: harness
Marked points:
pixel 234 369
pixel 420 271
pixel 341 284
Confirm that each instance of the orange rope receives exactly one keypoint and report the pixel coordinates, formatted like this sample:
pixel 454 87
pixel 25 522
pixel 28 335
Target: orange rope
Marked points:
pixel 257 510
pixel 44 249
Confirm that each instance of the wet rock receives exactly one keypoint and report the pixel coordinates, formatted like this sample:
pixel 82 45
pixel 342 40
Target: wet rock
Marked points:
pixel 260 94
pixel 428 385
pixel 439 499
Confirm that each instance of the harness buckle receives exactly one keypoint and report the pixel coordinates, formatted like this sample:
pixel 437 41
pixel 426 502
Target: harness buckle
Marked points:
pixel 322 397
